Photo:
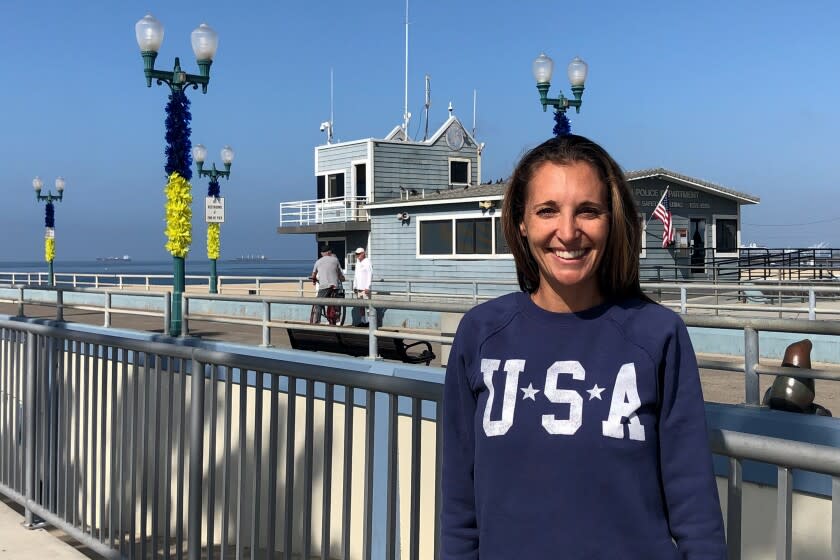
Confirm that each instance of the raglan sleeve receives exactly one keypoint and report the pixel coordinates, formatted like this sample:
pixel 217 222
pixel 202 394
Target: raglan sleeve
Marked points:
pixel 459 528
pixel 688 479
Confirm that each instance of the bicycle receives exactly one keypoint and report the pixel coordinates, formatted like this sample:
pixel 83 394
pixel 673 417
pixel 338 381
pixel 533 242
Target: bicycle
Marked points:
pixel 334 314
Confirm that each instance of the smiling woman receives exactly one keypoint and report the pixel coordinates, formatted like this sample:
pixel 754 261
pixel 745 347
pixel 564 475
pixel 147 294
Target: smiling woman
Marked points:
pixel 573 417
pixel 566 225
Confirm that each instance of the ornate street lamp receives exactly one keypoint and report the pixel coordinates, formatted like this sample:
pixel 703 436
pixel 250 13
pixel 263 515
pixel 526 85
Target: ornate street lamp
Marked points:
pixel 178 190
pixel 49 220
pixel 543 67
pixel 216 203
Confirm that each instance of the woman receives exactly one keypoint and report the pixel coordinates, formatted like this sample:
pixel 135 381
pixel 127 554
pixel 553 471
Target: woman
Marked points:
pixel 573 415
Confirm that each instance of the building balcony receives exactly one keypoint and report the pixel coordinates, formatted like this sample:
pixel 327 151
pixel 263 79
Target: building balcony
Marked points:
pixel 325 214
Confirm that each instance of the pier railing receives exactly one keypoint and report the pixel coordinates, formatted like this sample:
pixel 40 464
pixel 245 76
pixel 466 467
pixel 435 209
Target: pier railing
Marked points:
pixel 152 449
pixel 141 449
pixel 200 308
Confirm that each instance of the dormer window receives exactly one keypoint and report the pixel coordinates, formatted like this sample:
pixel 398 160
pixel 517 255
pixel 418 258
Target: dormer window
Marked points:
pixel 459 171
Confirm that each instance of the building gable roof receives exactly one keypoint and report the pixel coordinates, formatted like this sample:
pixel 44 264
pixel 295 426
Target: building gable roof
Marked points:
pixel 662 173
pixel 496 190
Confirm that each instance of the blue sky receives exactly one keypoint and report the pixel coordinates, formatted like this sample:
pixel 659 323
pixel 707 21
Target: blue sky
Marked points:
pixel 744 94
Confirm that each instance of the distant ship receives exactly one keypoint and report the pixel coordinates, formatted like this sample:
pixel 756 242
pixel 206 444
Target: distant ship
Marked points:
pixel 250 258
pixel 124 258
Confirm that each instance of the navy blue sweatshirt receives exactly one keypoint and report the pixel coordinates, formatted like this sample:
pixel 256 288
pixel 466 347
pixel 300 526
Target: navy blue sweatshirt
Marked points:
pixel 576 436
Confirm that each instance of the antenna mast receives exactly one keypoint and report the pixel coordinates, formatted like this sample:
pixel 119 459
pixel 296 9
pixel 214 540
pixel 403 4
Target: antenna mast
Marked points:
pixel 473 128
pixel 332 119
pixel 406 114
pixel 428 104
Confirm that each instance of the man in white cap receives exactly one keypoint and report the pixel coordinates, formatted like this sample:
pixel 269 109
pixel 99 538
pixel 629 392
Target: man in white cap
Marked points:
pixel 362 280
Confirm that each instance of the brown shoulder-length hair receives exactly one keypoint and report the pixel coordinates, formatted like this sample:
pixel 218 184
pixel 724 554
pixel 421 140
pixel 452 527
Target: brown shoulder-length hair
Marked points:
pixel 618 272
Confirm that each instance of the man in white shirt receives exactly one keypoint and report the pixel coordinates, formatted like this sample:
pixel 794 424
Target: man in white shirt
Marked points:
pixel 361 282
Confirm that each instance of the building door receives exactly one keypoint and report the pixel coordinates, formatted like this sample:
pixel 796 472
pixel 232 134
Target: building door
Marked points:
pixel 697 242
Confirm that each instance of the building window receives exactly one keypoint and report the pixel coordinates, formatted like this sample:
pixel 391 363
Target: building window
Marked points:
pixel 361 180
pixel 330 186
pixel 726 235
pixel 335 185
pixel 436 237
pixel 461 237
pixel 474 237
pixel 502 247
pixel 459 172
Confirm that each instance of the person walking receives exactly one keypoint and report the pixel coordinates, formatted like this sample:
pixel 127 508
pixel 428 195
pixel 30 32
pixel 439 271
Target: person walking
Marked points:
pixel 327 274
pixel 361 285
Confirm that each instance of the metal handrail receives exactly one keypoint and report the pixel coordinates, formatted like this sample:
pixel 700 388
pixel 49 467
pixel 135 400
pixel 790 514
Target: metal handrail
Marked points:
pixel 49 480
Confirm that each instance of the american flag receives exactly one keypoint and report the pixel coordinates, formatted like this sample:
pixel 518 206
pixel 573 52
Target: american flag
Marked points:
pixel 662 212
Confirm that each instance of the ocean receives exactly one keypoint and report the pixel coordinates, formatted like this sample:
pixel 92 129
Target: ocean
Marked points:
pixel 194 267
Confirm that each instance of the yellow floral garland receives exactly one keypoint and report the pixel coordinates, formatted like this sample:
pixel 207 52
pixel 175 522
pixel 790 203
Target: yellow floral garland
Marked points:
pixel 178 215
pixel 213 241
pixel 49 249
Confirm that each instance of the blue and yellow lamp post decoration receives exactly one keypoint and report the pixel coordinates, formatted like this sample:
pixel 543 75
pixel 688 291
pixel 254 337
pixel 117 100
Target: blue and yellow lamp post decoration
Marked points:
pixel 543 67
pixel 178 190
pixel 214 191
pixel 49 220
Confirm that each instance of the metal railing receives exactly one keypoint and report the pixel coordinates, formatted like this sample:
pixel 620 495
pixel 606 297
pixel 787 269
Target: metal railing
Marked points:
pixel 374 307
pixel 745 264
pixel 771 297
pixel 139 449
pixel 325 210
pixel 786 455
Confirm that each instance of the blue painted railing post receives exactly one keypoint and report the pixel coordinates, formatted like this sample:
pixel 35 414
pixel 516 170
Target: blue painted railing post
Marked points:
pixel 167 312
pixel 266 330
pixel 196 461
pixel 373 345
pixel 29 428
pixel 751 357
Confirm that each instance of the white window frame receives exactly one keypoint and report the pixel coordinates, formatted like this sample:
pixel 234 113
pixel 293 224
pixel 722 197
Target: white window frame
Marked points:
pixel 643 253
pixel 326 175
pixel 353 165
pixel 469 170
pixel 452 255
pixel 715 218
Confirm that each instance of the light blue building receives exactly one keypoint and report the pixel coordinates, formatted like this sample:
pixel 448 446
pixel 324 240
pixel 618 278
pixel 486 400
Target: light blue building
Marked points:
pixel 422 211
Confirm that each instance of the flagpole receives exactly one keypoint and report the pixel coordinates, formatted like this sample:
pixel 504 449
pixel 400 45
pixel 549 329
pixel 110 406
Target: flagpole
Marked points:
pixel 657 204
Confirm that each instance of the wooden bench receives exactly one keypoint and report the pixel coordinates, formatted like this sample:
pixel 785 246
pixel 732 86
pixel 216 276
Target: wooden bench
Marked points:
pixel 357 344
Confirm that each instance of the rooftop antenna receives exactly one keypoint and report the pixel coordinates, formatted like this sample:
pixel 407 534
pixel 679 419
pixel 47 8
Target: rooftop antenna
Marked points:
pixel 406 114
pixel 327 126
pixel 473 128
pixel 332 115
pixel 427 104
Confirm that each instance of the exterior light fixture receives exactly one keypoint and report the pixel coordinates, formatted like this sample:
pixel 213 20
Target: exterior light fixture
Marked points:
pixel 543 67
pixel 205 42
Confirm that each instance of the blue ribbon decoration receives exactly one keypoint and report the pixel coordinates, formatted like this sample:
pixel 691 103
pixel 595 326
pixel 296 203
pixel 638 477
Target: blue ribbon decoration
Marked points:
pixel 562 126
pixel 178 145
pixel 49 215
pixel 213 188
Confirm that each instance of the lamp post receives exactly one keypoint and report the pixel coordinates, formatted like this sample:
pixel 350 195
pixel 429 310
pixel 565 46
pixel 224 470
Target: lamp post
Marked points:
pixel 49 220
pixel 149 32
pixel 543 67
pixel 214 199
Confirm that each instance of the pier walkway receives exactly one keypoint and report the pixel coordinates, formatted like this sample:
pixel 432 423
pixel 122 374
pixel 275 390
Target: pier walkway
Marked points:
pixel 19 543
